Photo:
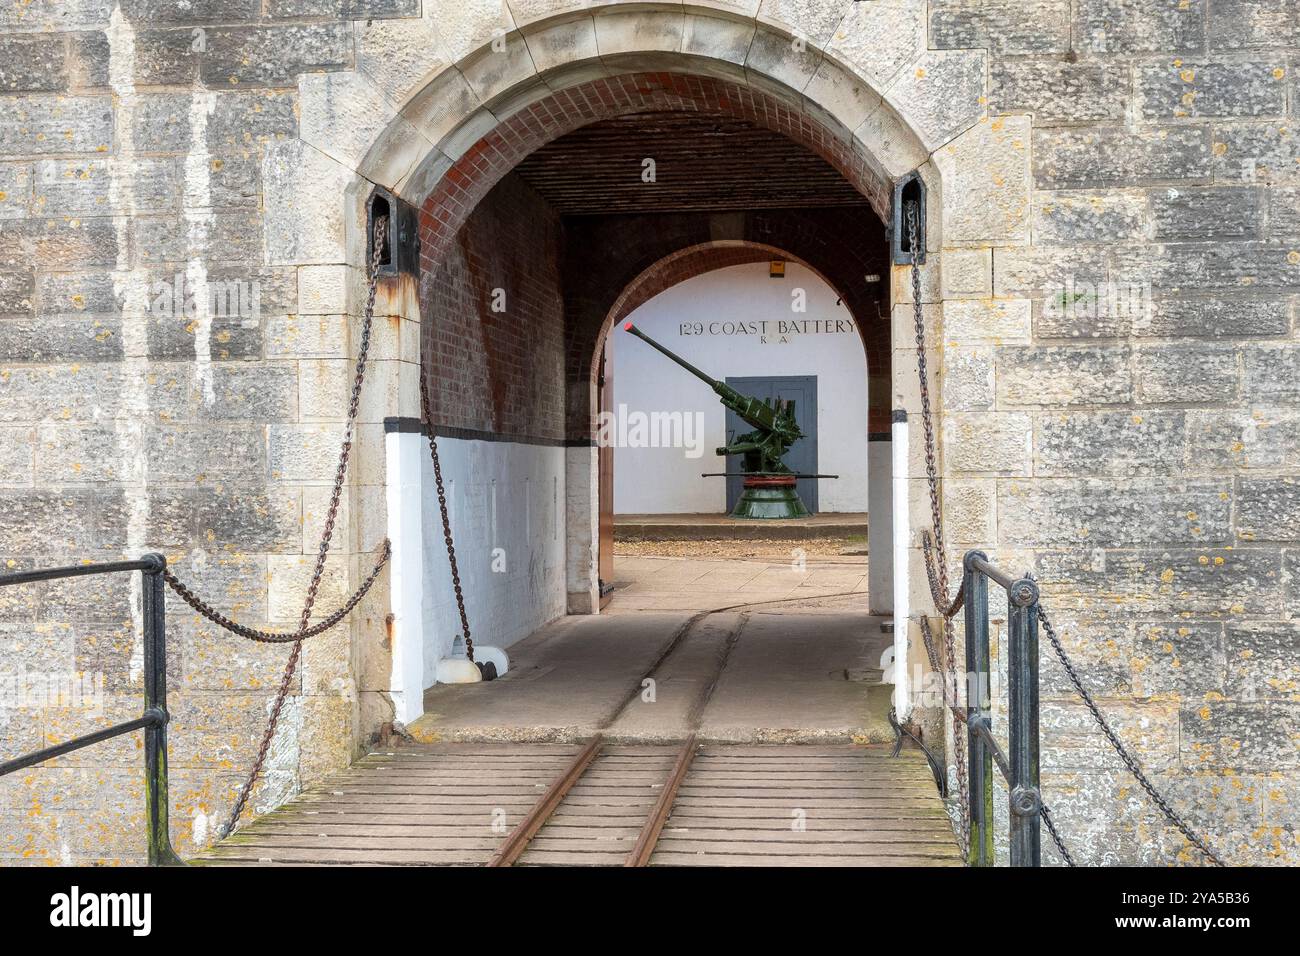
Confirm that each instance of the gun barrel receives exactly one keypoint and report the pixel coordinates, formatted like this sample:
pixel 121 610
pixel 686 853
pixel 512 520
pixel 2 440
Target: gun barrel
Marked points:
pixel 629 327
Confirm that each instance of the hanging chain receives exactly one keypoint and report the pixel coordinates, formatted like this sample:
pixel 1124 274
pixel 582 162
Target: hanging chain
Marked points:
pixel 446 519
pixel 936 569
pixel 1130 761
pixel 327 534
pixel 937 561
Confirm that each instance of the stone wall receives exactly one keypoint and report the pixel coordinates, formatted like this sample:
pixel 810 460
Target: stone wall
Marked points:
pixel 1141 460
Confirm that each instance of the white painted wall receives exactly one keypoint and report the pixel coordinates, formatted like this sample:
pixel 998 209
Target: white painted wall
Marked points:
pixel 507 505
pixel 665 480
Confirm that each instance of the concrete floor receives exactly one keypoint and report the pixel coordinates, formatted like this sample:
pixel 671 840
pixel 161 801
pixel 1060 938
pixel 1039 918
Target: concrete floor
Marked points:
pixel 691 645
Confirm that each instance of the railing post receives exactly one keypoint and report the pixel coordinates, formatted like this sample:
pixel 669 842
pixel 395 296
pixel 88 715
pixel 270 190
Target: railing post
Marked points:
pixel 153 605
pixel 1022 708
pixel 976 589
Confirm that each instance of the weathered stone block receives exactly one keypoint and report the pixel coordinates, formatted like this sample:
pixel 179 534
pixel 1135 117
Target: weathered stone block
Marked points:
pixel 1048 512
pixel 1065 218
pixel 1111 443
pixel 987 443
pixel 343 9
pixel 1263 661
pixel 1071 739
pixel 1228 440
pixel 173 338
pixel 1256 152
pixel 40 124
pixel 204 453
pixel 16 290
pixel 58 243
pixel 1186 374
pixel 1101 157
pixel 254 393
pixel 234 582
pixel 967 379
pixel 970 511
pixel 224 237
pixel 304 452
pixel 1184 659
pixel 1058 92
pixel 84 187
pixel 1268 509
pixel 1273 374
pixel 32 64
pixel 1223 265
pixel 880 39
pixel 1223 316
pixel 15 190
pixel 941 94
pixel 1045 271
pixel 1248 735
pixel 1218 582
pixel 78 339
pixel 1009 27
pixel 1135 26
pixel 37 522
pixel 1252 25
pixel 273 56
pixel 1061 376
pixel 1101 651
pixel 1216 88
pixel 967 273
pixel 16 455
pixel 1199 213
pixel 987 320
pixel 248 518
pixel 81 453
pixel 986 183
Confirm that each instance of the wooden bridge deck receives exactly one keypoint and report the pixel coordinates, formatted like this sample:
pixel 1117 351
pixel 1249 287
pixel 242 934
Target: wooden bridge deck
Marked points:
pixel 449 804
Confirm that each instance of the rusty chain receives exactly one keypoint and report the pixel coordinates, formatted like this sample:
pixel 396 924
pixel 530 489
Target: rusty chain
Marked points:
pixel 1129 760
pixel 446 518
pixel 327 534
pixel 936 556
pixel 936 569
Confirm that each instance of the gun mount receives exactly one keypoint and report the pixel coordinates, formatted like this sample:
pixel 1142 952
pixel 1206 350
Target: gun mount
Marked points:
pixel 769 484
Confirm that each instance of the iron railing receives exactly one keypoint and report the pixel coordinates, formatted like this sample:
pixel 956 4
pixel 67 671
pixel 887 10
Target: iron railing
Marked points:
pixel 1020 768
pixel 153 721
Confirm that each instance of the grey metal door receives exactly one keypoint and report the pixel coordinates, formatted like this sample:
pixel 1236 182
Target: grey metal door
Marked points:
pixel 802 456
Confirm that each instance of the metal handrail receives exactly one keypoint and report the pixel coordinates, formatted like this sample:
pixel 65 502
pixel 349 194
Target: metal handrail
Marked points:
pixel 1019 768
pixel 153 721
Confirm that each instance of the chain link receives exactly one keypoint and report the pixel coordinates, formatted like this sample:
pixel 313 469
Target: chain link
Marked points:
pixel 1130 761
pixel 938 576
pixel 327 534
pixel 446 519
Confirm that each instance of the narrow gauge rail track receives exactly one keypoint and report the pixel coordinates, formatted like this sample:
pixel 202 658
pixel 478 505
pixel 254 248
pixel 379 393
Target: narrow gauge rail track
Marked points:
pixel 613 802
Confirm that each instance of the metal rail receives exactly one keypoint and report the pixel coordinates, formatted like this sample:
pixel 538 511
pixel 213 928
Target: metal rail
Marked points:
pixel 1019 769
pixel 153 721
pixel 654 824
pixel 517 843
pixel 523 834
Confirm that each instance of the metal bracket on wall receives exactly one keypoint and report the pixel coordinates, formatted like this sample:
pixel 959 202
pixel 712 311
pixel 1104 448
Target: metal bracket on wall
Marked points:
pixel 909 189
pixel 401 253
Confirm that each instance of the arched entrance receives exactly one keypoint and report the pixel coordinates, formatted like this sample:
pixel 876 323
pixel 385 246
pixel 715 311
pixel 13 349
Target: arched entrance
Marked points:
pixel 442 132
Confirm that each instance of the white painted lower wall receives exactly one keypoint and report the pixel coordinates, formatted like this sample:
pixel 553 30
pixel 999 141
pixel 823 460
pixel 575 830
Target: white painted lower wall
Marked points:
pixel 507 502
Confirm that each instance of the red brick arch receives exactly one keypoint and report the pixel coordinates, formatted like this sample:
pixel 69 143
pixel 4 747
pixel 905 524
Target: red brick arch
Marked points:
pixel 483 165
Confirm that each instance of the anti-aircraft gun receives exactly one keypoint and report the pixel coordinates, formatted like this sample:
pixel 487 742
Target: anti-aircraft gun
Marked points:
pixel 769 484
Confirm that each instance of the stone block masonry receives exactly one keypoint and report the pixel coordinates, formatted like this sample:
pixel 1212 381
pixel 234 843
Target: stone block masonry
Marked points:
pixel 1113 281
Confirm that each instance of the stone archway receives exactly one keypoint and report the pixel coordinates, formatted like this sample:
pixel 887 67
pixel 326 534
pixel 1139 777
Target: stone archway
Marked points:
pixel 437 120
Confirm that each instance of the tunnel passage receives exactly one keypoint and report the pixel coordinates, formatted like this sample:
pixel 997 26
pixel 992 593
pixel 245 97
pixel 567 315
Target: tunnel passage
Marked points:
pixel 545 232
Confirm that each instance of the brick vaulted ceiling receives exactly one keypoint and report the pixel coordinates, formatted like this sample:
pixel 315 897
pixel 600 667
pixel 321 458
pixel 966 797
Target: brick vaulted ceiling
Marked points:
pixel 703 162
